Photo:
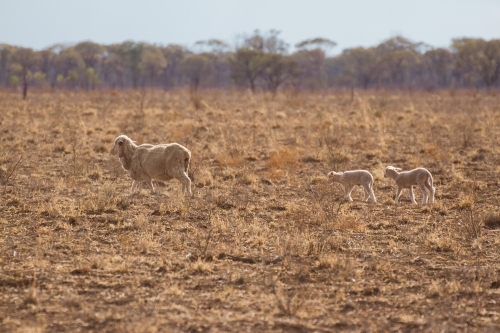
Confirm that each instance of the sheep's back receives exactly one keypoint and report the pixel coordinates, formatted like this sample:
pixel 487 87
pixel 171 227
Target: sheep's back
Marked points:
pixel 158 161
pixel 358 177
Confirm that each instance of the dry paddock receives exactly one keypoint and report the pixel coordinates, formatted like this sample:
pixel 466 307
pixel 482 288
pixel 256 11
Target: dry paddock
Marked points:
pixel 266 243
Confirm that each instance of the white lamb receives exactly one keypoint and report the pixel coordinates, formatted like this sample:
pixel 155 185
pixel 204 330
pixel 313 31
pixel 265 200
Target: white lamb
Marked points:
pixel 406 179
pixel 147 162
pixel 355 177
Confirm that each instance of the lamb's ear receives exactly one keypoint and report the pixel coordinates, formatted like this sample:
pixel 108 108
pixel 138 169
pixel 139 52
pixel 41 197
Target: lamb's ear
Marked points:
pixel 398 169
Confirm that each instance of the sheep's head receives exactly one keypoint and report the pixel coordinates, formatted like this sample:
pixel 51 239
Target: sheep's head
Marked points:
pixel 335 176
pixel 120 142
pixel 391 171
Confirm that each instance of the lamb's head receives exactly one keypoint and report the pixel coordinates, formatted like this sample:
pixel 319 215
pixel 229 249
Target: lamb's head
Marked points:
pixel 335 176
pixel 391 172
pixel 122 143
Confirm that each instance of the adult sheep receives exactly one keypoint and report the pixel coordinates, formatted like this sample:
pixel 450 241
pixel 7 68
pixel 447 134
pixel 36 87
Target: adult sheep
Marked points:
pixel 147 162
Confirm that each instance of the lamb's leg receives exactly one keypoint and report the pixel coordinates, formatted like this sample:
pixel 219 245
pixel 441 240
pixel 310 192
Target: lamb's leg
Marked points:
pixel 134 186
pixel 432 190
pixel 425 194
pixel 186 184
pixel 372 194
pixel 348 190
pixel 412 197
pixel 398 193
pixel 368 193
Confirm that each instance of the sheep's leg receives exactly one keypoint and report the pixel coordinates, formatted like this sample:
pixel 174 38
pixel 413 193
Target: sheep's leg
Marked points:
pixel 412 197
pixel 134 186
pixel 432 190
pixel 425 194
pixel 348 190
pixel 182 176
pixel 149 181
pixel 372 194
pixel 366 194
pixel 186 185
pixel 398 193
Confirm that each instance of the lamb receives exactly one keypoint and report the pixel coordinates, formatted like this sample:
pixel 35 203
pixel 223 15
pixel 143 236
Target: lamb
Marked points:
pixel 355 177
pixel 147 162
pixel 406 179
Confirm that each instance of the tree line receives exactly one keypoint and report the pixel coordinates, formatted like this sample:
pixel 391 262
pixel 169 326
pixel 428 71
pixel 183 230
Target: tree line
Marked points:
pixel 258 61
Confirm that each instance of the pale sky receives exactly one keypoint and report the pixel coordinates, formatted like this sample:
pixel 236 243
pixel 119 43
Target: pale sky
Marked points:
pixel 350 23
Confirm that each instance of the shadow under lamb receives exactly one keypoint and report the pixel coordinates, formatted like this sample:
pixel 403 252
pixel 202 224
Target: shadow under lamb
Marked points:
pixel 147 162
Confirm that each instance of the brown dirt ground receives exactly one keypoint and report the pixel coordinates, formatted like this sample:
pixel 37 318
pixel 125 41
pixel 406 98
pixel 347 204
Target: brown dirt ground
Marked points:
pixel 266 243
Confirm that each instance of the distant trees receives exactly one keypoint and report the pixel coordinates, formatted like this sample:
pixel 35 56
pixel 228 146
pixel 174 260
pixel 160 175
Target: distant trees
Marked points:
pixel 258 61
pixel 478 59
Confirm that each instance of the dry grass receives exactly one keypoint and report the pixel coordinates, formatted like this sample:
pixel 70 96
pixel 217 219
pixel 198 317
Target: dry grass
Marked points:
pixel 266 243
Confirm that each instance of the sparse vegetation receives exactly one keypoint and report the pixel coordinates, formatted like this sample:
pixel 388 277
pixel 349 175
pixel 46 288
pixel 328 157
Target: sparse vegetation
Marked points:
pixel 266 243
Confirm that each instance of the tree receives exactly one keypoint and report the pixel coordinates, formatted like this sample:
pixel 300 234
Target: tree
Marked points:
pixel 91 53
pixel 311 67
pixel 247 65
pixel 112 69
pixel 69 66
pixel 152 63
pixel 172 75
pixel 47 65
pixel 316 43
pixel 131 54
pixel 6 52
pixel 279 68
pixel 310 58
pixel 217 54
pixel 399 59
pixel 251 60
pixel 360 65
pixel 195 67
pixel 26 58
pixel 439 66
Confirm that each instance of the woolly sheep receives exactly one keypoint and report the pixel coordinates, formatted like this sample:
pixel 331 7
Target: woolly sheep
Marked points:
pixel 406 179
pixel 355 177
pixel 147 162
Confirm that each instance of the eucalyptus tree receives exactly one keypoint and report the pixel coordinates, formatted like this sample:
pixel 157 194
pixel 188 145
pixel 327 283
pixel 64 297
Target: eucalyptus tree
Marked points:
pixel 70 67
pixel 26 58
pixel 172 75
pixel 310 57
pixel 439 64
pixel 195 67
pixel 131 55
pixel 6 52
pixel 152 64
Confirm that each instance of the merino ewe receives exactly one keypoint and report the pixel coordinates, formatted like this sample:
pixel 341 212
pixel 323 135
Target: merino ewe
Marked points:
pixel 406 179
pixel 147 162
pixel 355 177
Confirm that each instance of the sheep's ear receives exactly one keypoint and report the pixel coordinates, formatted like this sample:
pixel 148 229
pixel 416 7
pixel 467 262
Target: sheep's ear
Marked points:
pixel 398 169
